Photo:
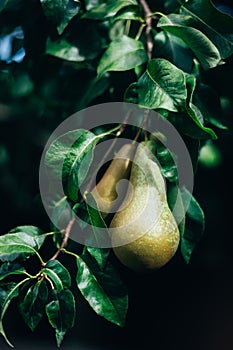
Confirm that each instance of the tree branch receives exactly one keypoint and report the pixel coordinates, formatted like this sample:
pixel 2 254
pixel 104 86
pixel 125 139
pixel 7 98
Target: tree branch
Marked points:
pixel 148 19
pixel 65 239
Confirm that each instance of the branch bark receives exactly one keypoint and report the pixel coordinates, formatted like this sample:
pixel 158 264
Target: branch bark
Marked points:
pixel 148 19
pixel 65 239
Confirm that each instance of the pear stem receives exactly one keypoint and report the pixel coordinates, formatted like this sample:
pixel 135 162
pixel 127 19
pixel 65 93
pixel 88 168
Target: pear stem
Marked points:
pixel 142 126
pixel 122 128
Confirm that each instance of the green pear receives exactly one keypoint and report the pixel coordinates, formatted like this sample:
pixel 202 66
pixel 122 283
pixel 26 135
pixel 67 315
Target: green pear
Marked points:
pixel 144 233
pixel 110 189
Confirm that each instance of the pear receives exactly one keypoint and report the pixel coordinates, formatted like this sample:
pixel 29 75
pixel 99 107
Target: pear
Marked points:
pixel 110 190
pixel 144 233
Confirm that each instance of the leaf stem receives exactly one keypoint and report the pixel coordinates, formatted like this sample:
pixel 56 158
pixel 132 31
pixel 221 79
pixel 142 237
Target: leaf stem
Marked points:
pixel 127 27
pixel 143 124
pixel 40 258
pixel 70 253
pixel 140 30
pixel 29 275
pixel 109 132
pixel 54 233
pixel 49 280
pixel 156 13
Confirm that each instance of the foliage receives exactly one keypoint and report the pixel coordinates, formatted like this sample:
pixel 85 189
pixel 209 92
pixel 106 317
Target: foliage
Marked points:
pixel 159 58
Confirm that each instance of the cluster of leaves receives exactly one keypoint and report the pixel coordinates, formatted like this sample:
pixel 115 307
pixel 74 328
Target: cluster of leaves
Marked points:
pixel 95 39
pixel 48 291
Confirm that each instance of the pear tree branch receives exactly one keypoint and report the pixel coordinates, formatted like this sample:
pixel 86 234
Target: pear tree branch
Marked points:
pixel 148 19
pixel 65 239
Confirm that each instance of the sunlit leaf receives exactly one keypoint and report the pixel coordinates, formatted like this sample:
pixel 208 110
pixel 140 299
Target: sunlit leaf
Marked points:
pixel 32 231
pixel 162 86
pixel 108 9
pixel 63 49
pixel 122 54
pixel 14 245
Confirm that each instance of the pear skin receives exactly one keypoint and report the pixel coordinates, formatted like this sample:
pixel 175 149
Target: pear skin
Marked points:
pixel 108 192
pixel 144 233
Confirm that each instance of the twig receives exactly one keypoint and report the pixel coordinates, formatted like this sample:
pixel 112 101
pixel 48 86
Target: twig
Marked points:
pixel 148 19
pixel 65 239
pixel 142 126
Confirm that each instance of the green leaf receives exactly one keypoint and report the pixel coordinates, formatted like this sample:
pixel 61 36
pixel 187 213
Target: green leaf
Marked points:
pixel 71 10
pixel 171 5
pixel 131 93
pixel 103 290
pixel 185 125
pixel 87 43
pixel 172 48
pixel 122 54
pixel 65 155
pixel 61 313
pixel 8 291
pixel 192 110
pixel 89 4
pixel 63 49
pixel 8 269
pixel 97 222
pixel 58 274
pixel 61 216
pixel 32 231
pixel 167 162
pixel 193 147
pixel 207 100
pixel 108 9
pixel 206 52
pixel 60 11
pixel 176 205
pixel 99 254
pixel 213 23
pixel 14 245
pixel 162 86
pixel 195 225
pixel 132 13
pixel 54 9
pixel 32 302
pixel 93 88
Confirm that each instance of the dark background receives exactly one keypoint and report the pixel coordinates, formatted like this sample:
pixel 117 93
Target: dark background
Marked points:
pixel 179 306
